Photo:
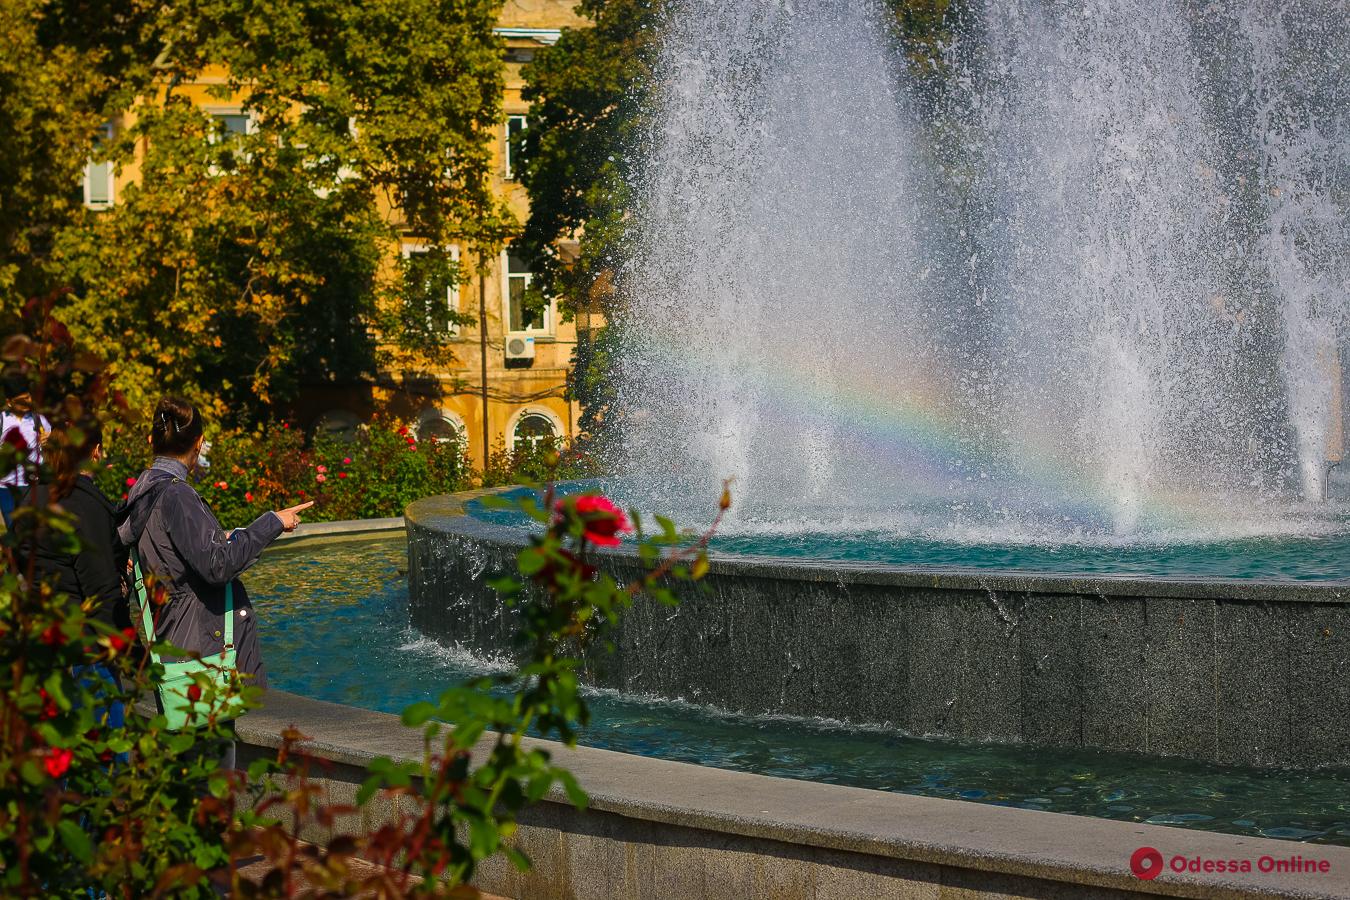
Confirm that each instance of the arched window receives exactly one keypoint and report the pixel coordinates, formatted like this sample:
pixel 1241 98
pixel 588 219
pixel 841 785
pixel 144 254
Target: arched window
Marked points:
pixel 440 426
pixel 533 429
pixel 339 424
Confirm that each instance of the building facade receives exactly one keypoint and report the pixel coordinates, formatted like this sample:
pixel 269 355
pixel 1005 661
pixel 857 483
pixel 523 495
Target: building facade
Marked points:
pixel 504 386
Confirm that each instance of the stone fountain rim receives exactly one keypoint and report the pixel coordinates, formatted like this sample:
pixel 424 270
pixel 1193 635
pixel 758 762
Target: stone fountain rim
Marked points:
pixel 447 514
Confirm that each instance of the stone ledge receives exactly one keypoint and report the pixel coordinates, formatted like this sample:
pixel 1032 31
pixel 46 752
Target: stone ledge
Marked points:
pixel 1067 855
pixel 446 515
pixel 360 528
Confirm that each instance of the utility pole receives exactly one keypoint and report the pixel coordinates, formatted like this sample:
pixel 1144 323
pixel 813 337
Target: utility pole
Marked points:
pixel 484 263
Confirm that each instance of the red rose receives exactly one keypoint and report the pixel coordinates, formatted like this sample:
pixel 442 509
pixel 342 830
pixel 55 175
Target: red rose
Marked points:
pixel 602 521
pixel 346 460
pixel 248 496
pixel 131 482
pixel 403 432
pixel 342 475
pixel 194 692
pixel 119 642
pixel 53 637
pixel 58 761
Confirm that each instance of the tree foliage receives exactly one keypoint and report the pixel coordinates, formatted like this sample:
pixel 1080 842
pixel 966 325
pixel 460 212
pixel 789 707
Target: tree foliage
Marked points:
pixel 243 260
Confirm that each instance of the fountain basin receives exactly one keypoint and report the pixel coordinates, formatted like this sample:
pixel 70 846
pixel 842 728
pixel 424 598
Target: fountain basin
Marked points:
pixel 1230 671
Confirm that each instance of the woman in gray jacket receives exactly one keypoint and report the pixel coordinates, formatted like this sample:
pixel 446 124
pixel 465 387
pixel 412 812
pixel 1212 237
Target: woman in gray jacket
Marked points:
pixel 187 552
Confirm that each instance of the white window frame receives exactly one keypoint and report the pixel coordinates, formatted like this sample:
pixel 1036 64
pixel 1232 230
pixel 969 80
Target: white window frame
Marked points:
pixel 559 431
pixel 508 169
pixel 107 132
pixel 407 248
pixel 213 136
pixel 545 330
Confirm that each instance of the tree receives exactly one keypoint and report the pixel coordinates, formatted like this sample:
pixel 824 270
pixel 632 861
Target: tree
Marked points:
pixel 65 69
pixel 588 96
pixel 256 251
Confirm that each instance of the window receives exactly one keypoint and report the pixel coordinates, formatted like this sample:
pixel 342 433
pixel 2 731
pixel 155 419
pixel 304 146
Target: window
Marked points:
pixel 532 430
pixel 228 129
pixel 338 424
pixel 232 125
pixel 98 176
pixel 525 310
pixel 515 125
pixel 432 283
pixel 441 426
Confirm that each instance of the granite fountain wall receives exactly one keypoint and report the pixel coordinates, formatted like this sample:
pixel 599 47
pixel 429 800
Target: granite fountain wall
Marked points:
pixel 1225 671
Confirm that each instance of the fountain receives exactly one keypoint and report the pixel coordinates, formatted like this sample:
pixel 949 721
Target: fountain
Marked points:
pixel 1027 374
pixel 1098 271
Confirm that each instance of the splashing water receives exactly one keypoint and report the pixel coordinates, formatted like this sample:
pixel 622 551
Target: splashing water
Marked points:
pixel 1096 280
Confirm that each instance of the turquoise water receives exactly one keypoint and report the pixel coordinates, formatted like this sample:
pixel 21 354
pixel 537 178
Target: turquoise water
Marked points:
pixel 335 627
pixel 1308 543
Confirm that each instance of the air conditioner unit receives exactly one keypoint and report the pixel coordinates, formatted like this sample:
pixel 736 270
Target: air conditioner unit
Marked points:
pixel 519 346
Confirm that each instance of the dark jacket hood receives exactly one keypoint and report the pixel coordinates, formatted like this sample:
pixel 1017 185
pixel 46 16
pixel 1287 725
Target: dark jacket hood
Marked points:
pixel 141 499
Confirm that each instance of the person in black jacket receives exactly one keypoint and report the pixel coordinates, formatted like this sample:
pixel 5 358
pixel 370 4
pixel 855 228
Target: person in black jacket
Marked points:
pixel 93 572
pixel 90 569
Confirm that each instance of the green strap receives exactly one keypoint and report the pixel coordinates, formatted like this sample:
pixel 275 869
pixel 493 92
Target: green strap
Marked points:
pixel 147 620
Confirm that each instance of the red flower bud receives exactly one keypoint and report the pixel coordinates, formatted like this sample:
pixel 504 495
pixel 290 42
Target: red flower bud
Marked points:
pixel 194 692
pixel 58 761
pixel 131 482
pixel 53 637
pixel 342 475
pixel 122 640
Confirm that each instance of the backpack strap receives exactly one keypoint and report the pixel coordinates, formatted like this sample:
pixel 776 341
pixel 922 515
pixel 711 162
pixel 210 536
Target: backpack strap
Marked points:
pixel 147 619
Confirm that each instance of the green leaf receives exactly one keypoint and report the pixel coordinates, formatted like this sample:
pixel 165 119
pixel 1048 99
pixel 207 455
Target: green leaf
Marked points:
pixel 483 838
pixel 76 841
pixel 369 788
pixel 530 561
pixel 418 713
pixel 573 789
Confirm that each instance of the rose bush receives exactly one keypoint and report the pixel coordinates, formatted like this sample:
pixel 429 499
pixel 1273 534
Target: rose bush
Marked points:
pixel 374 476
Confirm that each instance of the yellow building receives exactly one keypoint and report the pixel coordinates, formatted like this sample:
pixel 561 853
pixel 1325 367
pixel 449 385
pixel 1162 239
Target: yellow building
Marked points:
pixel 518 395
pixel 506 382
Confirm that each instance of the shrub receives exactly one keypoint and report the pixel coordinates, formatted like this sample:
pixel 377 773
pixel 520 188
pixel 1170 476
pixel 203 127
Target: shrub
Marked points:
pixel 374 476
pixel 77 820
